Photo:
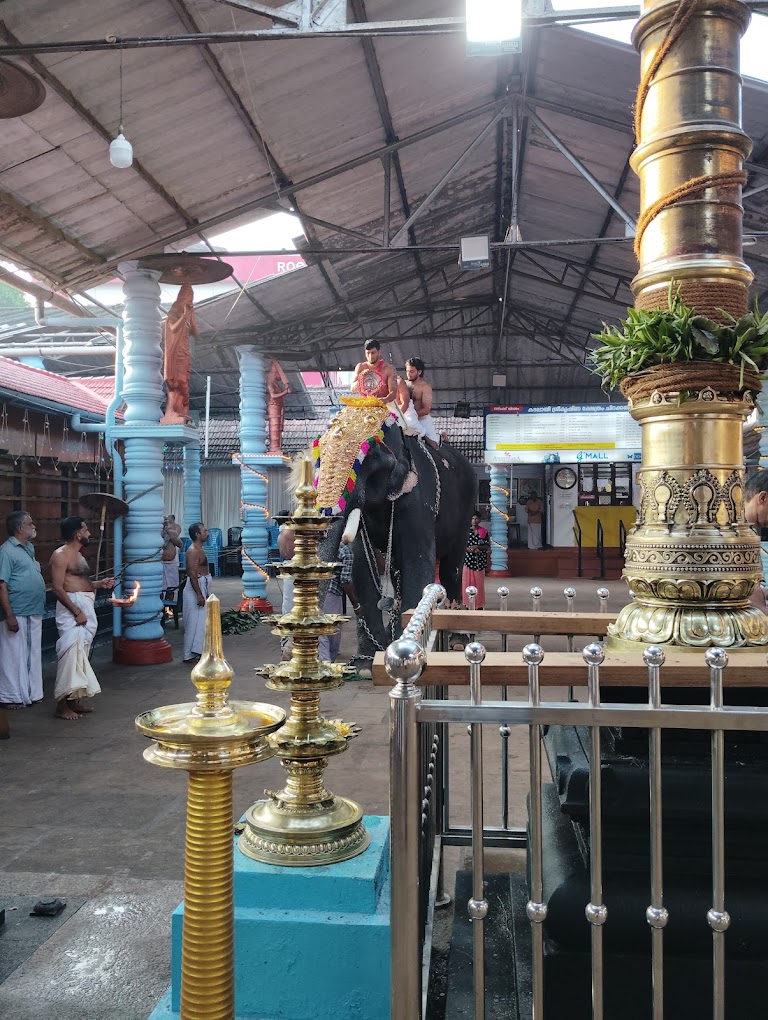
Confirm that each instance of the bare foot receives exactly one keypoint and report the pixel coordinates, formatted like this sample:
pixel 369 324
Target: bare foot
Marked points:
pixel 63 711
pixel 77 706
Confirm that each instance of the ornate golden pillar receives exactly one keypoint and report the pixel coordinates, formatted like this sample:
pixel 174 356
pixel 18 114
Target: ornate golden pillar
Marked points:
pixel 692 562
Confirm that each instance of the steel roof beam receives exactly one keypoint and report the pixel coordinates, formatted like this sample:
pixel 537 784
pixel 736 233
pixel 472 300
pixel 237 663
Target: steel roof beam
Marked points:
pixel 447 176
pixel 576 162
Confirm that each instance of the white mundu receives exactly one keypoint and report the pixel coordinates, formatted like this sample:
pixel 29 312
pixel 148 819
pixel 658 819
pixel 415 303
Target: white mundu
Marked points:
pixel 74 677
pixel 426 428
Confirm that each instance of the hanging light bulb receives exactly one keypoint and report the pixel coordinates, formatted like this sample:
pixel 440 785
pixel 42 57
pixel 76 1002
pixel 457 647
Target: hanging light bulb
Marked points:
pixel 120 151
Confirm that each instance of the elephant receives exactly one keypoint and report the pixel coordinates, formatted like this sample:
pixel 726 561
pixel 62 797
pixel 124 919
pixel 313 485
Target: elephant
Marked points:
pixel 423 498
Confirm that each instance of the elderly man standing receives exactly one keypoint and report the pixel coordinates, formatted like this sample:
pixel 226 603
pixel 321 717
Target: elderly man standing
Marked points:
pixel 171 534
pixel 22 601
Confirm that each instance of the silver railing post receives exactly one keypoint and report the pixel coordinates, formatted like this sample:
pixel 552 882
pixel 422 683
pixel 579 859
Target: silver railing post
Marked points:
pixel 536 594
pixel 570 595
pixel 717 916
pixel 471 593
pixel 504 731
pixel 603 594
pixel 503 593
pixel 478 905
pixel 404 661
pixel 536 909
pixel 595 912
pixel 656 915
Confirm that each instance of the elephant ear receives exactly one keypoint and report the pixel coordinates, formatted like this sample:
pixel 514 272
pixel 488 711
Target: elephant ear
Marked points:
pixel 403 476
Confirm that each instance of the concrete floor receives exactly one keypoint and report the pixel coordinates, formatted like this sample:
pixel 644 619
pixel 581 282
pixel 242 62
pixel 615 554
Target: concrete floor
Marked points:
pixel 85 819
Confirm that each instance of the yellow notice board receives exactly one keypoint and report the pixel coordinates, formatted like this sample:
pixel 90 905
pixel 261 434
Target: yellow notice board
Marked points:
pixel 588 516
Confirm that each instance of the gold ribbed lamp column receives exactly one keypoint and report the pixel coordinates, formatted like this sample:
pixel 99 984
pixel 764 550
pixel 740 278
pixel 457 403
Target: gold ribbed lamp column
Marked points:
pixel 689 154
pixel 692 561
pixel 208 739
pixel 305 824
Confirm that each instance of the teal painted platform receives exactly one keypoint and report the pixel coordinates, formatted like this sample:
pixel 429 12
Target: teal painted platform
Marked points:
pixel 310 943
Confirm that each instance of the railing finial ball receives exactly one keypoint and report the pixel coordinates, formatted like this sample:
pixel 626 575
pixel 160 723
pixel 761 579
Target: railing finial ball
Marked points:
pixel 718 920
pixel 657 917
pixel 536 592
pixel 654 656
pixel 570 593
pixel 470 590
pixel 533 654
pixel 716 658
pixel 438 590
pixel 404 659
pixel 474 651
pixel 477 909
pixel 603 593
pixel 502 592
pixel 594 654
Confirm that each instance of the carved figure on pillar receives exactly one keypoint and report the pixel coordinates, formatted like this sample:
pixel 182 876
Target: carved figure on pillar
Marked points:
pixel 177 364
pixel 277 390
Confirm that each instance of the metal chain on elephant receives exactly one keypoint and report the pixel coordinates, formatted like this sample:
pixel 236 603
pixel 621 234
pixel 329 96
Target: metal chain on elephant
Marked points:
pixel 439 489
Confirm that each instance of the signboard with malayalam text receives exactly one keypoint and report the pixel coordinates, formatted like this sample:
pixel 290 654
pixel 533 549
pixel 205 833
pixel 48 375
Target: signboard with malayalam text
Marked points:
pixel 569 433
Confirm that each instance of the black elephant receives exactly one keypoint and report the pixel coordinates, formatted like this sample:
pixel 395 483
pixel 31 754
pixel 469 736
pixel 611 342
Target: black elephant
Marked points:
pixel 416 504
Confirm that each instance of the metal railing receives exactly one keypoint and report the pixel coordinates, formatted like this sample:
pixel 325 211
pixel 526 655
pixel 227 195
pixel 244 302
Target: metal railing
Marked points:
pixel 622 537
pixel 577 537
pixel 414 866
pixel 600 546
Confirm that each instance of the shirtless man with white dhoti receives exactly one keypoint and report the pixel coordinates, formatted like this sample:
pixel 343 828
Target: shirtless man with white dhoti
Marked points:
pixel 75 619
pixel 171 534
pixel 196 591
pixel 421 395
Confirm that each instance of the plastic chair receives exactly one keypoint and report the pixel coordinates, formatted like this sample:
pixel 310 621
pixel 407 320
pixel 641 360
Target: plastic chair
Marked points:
pixel 212 552
pixel 215 537
pixel 234 536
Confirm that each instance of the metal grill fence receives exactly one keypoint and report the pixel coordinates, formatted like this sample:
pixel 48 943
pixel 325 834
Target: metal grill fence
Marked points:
pixel 419 800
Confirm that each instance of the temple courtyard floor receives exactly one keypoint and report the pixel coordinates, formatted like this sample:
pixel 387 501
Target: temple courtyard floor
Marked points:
pixel 85 819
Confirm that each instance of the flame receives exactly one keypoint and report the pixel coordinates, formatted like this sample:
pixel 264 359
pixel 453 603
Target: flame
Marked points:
pixel 130 599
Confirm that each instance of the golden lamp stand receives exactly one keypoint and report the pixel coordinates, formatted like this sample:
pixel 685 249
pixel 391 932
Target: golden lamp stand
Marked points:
pixel 305 824
pixel 208 739
pixel 692 561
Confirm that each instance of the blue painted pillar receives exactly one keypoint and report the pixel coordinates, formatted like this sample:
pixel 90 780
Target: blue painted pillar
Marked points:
pixel 193 505
pixel 499 517
pixel 253 462
pixel 142 639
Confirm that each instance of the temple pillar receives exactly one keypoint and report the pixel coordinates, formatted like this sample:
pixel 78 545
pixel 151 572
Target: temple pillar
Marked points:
pixel 253 461
pixel 499 517
pixel 193 505
pixel 142 639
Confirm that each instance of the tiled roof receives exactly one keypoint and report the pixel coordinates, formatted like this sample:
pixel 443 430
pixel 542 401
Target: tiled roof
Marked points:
pixel 51 388
pixel 102 385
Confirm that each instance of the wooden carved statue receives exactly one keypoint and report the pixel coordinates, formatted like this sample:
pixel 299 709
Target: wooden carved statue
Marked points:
pixel 277 390
pixel 177 365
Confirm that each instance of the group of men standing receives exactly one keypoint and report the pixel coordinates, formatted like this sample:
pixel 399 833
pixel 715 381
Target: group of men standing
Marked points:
pixel 22 601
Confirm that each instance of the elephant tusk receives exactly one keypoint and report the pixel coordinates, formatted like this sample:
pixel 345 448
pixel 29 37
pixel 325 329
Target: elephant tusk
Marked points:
pixel 353 523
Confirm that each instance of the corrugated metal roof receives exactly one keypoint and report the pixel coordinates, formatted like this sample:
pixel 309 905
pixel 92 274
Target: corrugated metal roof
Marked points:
pixel 286 118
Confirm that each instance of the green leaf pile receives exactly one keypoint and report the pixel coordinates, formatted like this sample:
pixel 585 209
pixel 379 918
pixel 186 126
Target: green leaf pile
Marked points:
pixel 235 622
pixel 675 334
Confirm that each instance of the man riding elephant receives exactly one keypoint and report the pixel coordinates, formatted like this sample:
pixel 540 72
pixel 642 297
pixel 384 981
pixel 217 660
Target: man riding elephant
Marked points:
pixel 415 507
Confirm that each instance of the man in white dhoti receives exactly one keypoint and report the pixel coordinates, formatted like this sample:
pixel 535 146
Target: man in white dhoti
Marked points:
pixel 75 619
pixel 171 534
pixel 196 591
pixel 22 604
pixel 421 395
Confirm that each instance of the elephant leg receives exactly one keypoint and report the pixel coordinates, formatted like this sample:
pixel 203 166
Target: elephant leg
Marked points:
pixel 371 636
pixel 450 573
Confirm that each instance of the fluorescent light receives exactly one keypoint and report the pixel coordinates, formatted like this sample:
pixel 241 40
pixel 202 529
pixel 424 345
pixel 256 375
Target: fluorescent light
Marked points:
pixel 494 25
